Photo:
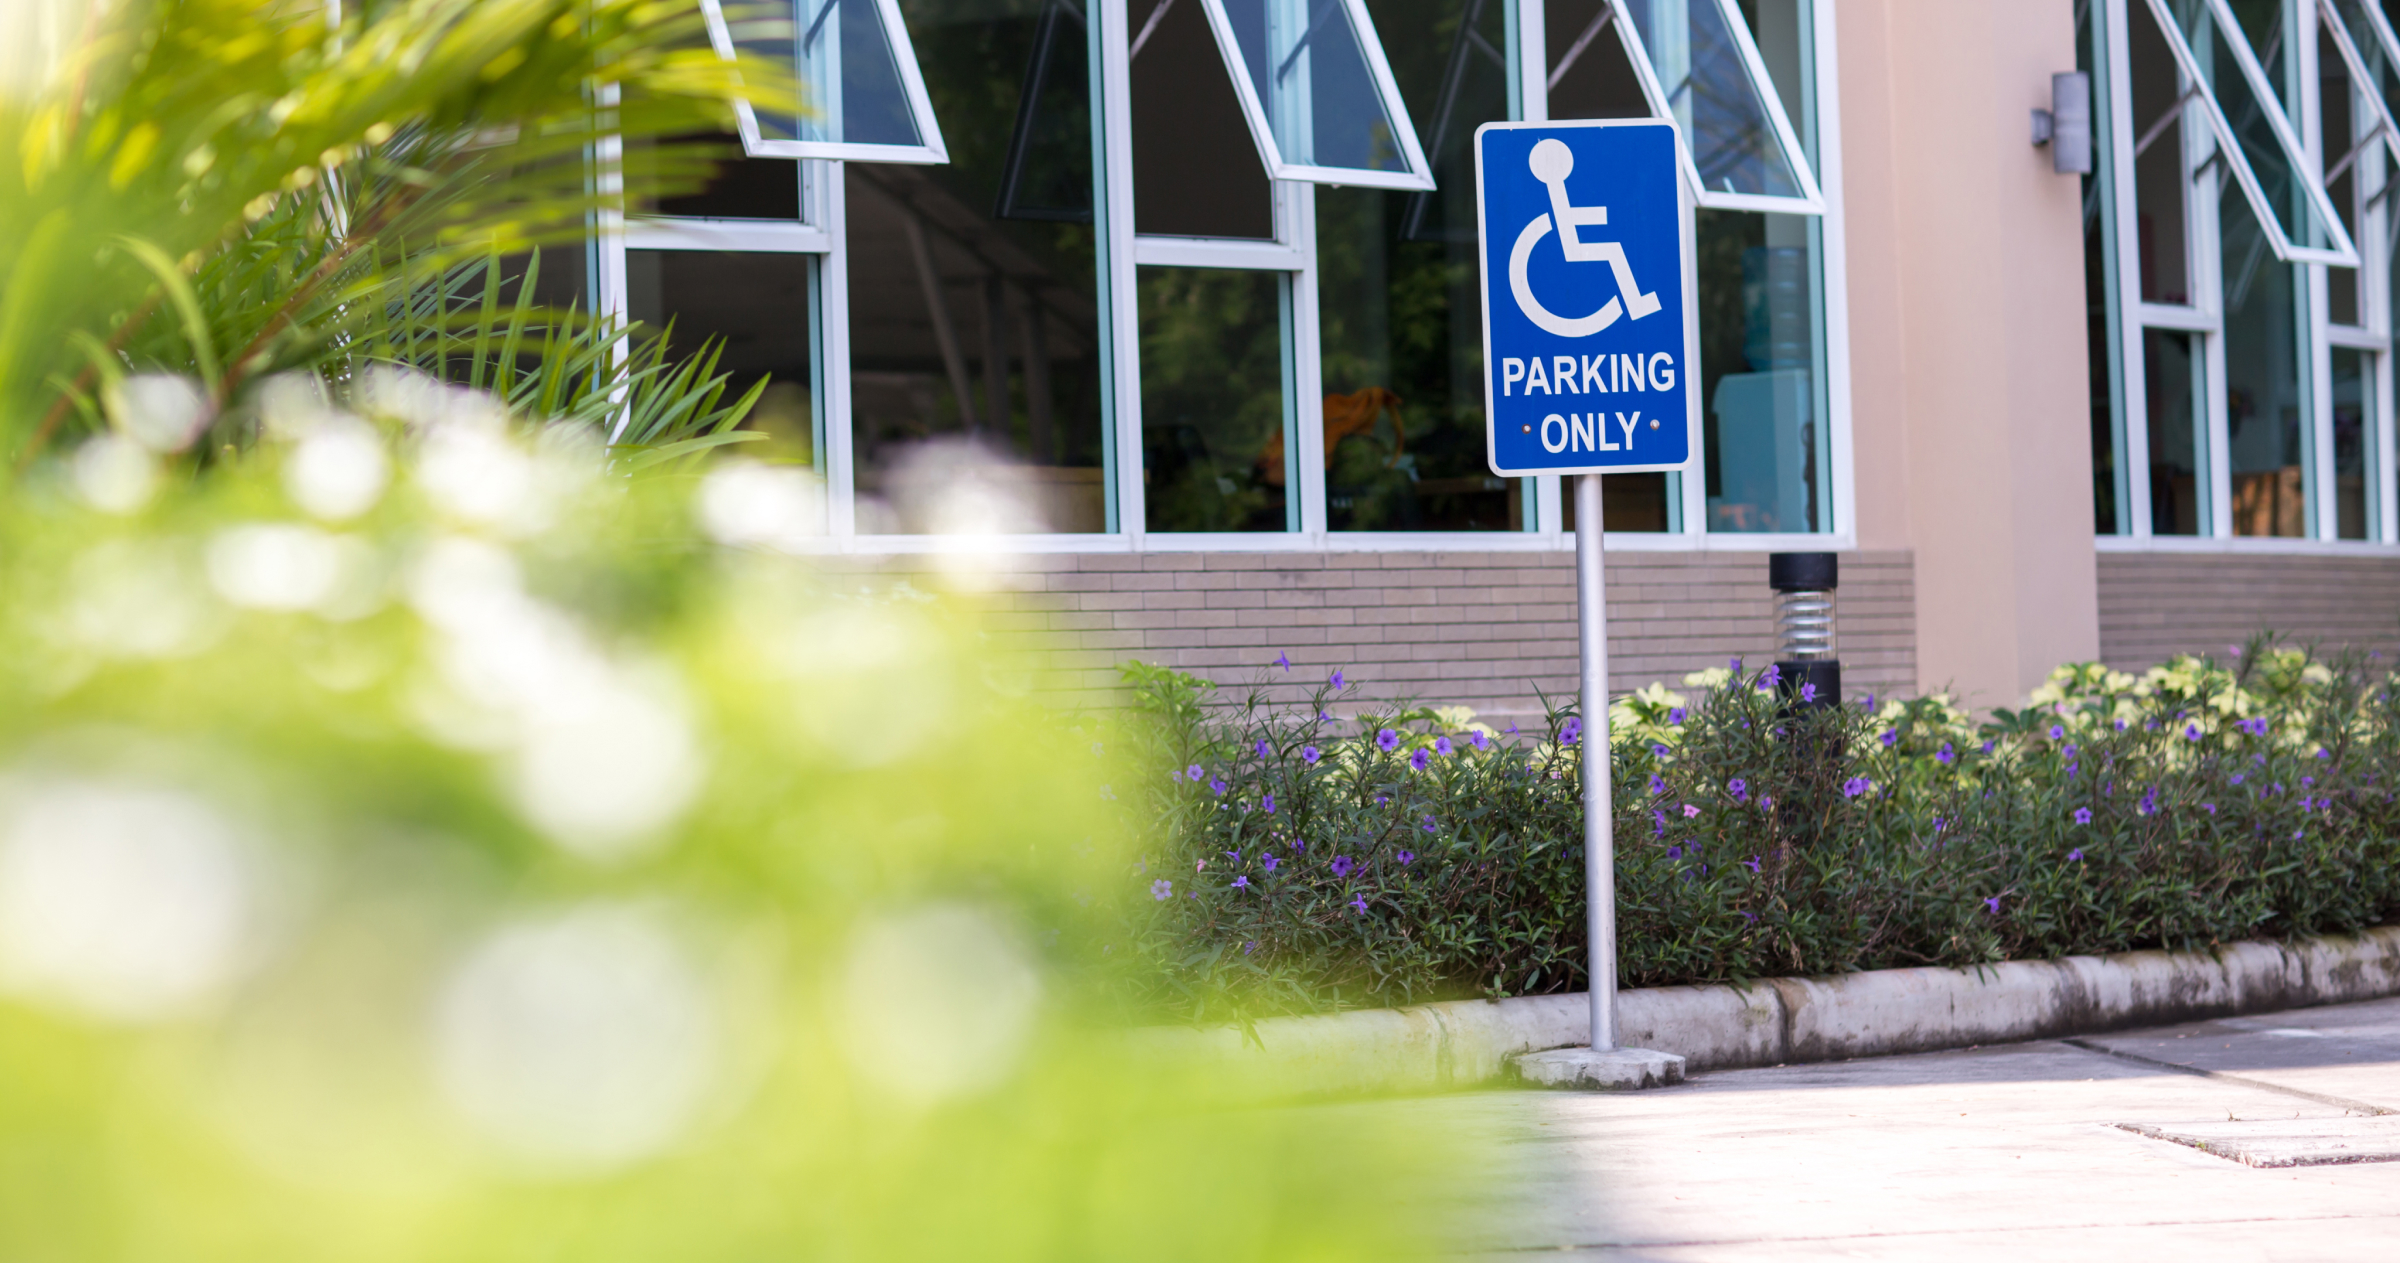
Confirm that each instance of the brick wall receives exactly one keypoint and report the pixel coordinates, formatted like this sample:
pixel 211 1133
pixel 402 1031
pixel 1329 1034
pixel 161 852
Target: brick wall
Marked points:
pixel 2156 605
pixel 1481 629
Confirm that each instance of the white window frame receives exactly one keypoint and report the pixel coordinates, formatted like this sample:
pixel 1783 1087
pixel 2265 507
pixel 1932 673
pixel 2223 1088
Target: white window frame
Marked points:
pixel 1419 173
pixel 821 230
pixel 931 150
pixel 2205 133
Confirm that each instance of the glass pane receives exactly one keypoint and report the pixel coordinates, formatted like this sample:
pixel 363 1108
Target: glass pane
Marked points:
pixel 2099 264
pixel 2176 451
pixel 2265 357
pixel 1628 502
pixel 2160 161
pixel 1048 172
pixel 848 75
pixel 1591 75
pixel 1400 321
pixel 1759 377
pixel 975 334
pixel 758 307
pixel 2340 120
pixel 2383 73
pixel 2253 118
pixel 1312 78
pixel 2353 441
pixel 1195 168
pixel 1213 400
pixel 1700 68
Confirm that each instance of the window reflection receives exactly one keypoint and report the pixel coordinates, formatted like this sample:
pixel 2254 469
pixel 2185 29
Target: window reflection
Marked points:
pixel 1195 167
pixel 1399 314
pixel 974 301
pixel 1215 378
pixel 759 310
pixel 2263 365
pixel 2173 423
pixel 2354 437
pixel 2158 161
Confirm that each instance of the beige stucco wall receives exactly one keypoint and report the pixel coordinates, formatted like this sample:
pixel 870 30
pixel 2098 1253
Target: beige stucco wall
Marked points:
pixel 1970 402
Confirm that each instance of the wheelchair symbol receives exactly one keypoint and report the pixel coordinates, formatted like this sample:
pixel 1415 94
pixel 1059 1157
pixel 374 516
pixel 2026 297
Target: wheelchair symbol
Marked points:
pixel 1550 162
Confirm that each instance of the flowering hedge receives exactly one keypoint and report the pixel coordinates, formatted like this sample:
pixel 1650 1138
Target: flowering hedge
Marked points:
pixel 1296 861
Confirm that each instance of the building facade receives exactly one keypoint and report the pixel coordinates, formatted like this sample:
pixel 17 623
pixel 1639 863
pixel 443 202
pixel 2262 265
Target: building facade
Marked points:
pixel 1159 319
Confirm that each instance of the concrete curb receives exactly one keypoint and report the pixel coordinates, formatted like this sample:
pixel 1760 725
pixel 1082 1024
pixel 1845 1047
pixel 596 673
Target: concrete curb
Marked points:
pixel 1785 1020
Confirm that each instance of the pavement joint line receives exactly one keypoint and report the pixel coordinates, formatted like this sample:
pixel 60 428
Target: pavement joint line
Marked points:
pixel 1983 1230
pixel 2321 1098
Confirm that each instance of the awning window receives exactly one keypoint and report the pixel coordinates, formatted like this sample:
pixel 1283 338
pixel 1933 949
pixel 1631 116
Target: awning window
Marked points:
pixel 1316 91
pixel 862 96
pixel 2253 137
pixel 1698 67
pixel 2372 53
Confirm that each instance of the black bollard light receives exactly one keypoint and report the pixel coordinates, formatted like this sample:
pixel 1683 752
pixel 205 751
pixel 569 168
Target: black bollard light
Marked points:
pixel 1804 584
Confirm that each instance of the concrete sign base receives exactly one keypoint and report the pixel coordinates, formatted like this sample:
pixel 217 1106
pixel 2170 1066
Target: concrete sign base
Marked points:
pixel 1621 1070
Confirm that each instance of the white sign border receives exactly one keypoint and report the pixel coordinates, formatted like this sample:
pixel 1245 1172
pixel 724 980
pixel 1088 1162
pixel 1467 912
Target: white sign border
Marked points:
pixel 1691 310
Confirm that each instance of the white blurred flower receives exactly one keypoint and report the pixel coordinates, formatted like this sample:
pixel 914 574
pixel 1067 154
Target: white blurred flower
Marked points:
pixel 274 566
pixel 475 475
pixel 936 1002
pixel 127 901
pixel 338 470
pixel 162 412
pixel 292 406
pixel 581 1041
pixel 744 503
pixel 601 754
pixel 140 600
pixel 425 403
pixel 114 474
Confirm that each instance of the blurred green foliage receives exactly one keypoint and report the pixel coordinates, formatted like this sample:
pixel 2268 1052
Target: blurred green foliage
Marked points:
pixel 1297 861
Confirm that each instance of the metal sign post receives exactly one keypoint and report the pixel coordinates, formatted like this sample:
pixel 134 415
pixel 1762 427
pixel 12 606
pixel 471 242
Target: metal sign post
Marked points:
pixel 1590 342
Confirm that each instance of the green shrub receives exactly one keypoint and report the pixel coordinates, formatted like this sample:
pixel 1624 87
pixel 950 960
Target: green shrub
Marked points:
pixel 1298 861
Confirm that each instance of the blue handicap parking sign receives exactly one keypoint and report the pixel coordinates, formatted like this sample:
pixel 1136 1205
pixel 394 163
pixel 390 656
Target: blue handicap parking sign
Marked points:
pixel 1588 341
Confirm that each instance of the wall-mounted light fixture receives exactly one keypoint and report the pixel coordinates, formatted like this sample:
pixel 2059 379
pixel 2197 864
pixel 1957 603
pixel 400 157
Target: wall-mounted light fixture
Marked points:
pixel 2066 127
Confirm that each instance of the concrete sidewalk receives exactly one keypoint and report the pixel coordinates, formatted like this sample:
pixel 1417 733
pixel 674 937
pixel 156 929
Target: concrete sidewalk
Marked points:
pixel 2008 1152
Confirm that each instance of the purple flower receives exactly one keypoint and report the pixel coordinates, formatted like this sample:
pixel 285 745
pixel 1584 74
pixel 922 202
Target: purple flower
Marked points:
pixel 1249 947
pixel 1674 852
pixel 1867 702
pixel 2070 751
pixel 1380 800
pixel 1309 754
pixel 1750 917
pixel 1407 858
pixel 1216 785
pixel 1659 749
pixel 2075 856
pixel 2324 753
pixel 1751 863
pixel 1512 727
pixel 1359 903
pixel 2237 778
pixel 1420 759
pixel 1241 883
pixel 1657 784
pixel 1736 664
pixel 1891 737
pixel 1235 856
pixel 2149 804
pixel 2235 650
pixel 1987 747
pixel 2083 815
pixel 2057 731
pixel 1481 739
pixel 1855 786
pixel 1429 828
pixel 1162 889
pixel 1283 660
pixel 2071 768
pixel 1336 679
pixel 1765 803
pixel 1690 811
pixel 2191 732
pixel 1658 818
pixel 1940 824
pixel 1268 804
pixel 1674 714
pixel 1342 864
pixel 1570 731
pixel 1193 773
pixel 2210 808
pixel 1808 693
pixel 2307 781
pixel 1387 740
pixel 1739 788
pixel 1442 746
pixel 1945 755
pixel 1269 862
pixel 1260 749
pixel 2278 788
pixel 2120 725
pixel 1771 677
pixel 1992 904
